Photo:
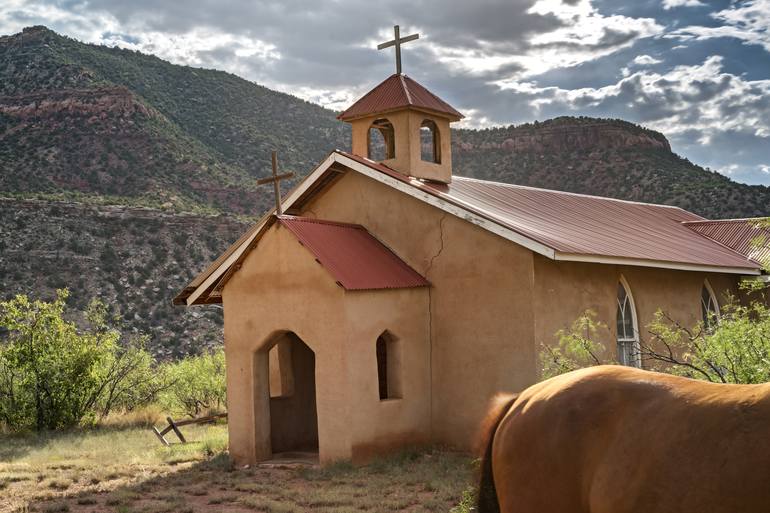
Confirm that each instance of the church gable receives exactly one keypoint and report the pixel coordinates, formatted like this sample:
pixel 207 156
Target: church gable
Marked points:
pixel 349 254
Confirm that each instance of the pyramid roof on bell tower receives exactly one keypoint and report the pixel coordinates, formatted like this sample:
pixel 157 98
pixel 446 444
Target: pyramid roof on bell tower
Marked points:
pixel 398 92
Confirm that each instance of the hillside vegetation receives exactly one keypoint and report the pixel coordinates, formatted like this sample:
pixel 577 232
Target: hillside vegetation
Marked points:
pixel 133 259
pixel 123 175
pixel 92 119
pixel 605 157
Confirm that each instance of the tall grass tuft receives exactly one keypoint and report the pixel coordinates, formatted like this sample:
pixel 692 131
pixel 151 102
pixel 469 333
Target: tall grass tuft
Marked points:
pixel 145 417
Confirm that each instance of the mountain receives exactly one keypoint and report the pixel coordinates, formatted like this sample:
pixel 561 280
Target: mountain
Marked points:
pixel 79 120
pixel 122 175
pixel 102 124
pixel 607 157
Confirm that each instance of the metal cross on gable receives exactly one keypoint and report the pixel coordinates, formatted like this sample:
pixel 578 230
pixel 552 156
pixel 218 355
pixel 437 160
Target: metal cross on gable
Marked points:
pixel 274 180
pixel 397 42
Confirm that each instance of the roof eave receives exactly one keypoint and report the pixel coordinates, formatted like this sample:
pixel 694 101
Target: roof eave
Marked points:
pixel 448 115
pixel 659 264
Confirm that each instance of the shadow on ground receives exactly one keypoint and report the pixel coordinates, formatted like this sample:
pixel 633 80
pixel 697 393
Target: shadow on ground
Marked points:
pixel 426 481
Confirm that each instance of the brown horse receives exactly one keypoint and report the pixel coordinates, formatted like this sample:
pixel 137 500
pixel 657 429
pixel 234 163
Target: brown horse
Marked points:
pixel 614 439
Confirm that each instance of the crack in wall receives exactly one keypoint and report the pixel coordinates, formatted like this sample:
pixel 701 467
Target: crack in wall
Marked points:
pixel 430 320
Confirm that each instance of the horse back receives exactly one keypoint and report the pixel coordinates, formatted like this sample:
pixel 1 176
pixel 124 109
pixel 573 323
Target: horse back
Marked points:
pixel 614 439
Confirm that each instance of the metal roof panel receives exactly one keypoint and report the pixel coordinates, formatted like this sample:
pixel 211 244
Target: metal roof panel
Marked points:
pixel 580 224
pixel 398 91
pixel 355 259
pixel 746 236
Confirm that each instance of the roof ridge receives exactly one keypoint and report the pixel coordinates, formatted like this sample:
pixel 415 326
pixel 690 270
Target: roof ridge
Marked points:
pixel 717 221
pixel 568 193
pixel 406 89
pixel 434 95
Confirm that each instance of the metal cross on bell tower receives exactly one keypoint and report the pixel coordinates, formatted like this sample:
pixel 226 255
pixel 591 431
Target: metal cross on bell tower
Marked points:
pixel 397 42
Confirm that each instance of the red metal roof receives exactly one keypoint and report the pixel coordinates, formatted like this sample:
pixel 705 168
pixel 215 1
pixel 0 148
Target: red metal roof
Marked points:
pixel 395 92
pixel 579 224
pixel 746 236
pixel 355 259
pixel 573 226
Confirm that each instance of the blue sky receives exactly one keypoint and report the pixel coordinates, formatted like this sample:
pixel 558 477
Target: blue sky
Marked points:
pixel 697 70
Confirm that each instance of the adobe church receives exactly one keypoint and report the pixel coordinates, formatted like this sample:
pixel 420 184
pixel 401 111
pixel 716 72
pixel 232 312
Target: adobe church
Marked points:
pixel 386 300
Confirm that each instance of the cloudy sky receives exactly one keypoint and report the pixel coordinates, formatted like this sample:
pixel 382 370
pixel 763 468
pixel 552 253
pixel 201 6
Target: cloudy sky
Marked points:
pixel 697 70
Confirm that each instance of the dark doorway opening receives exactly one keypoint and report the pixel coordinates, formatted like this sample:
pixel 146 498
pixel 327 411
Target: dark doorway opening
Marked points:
pixel 293 414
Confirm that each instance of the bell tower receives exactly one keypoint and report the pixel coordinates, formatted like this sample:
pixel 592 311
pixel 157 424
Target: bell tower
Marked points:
pixel 403 125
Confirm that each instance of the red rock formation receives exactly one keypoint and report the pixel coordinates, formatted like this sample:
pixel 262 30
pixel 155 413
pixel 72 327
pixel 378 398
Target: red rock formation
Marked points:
pixel 116 102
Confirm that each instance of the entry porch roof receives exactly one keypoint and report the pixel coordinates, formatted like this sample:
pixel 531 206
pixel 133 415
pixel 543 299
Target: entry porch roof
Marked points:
pixel 355 259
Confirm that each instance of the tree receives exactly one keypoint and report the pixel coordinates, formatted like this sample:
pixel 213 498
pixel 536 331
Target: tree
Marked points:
pixel 130 375
pixel 53 375
pixel 733 349
pixel 198 384
pixel 761 245
pixel 577 347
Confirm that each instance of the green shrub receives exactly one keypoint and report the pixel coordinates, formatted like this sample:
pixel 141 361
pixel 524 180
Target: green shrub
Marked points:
pixel 736 349
pixel 577 347
pixel 197 384
pixel 54 375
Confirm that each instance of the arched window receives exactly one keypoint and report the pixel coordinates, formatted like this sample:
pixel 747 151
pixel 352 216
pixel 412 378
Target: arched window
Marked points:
pixel 708 305
pixel 430 142
pixel 388 352
pixel 628 331
pixel 381 140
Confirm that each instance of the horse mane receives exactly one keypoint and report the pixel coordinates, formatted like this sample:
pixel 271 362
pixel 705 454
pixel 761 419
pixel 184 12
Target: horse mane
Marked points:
pixel 487 495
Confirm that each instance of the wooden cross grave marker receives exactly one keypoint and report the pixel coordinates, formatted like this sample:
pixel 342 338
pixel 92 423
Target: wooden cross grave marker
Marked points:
pixel 274 180
pixel 397 42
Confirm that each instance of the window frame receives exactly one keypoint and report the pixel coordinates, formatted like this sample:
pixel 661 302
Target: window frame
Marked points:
pixel 635 342
pixel 389 368
pixel 435 133
pixel 704 307
pixel 388 131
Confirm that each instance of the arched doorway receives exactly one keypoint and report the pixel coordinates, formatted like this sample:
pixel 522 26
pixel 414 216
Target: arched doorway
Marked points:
pixel 293 414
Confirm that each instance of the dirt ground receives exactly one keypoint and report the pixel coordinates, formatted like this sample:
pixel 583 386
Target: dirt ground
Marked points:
pixel 127 471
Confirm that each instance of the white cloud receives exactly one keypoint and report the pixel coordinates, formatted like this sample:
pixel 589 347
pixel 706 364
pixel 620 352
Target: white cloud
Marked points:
pixel 700 97
pixel 508 38
pixel 191 47
pixel 670 4
pixel 717 118
pixel 585 35
pixel 748 21
pixel 646 60
pixel 582 34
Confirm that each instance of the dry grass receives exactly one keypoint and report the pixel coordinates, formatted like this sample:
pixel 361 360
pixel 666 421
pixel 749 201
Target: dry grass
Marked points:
pixel 127 471
pixel 143 418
